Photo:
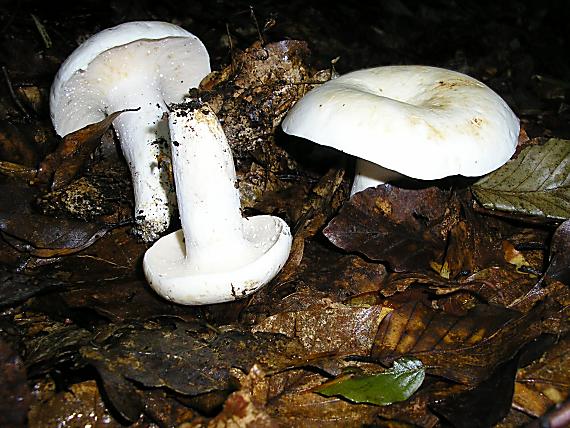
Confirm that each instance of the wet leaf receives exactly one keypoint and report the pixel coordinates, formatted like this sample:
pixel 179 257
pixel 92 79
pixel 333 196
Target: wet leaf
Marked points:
pixel 17 287
pixel 182 356
pixel 15 395
pixel 406 228
pixel 41 235
pixel 16 170
pixel 58 344
pixel 80 405
pixel 559 267
pixel 74 151
pixel 464 348
pixel 123 299
pixel 289 398
pixel 484 405
pixel 395 384
pixel 240 409
pixel 354 328
pixel 546 381
pixel 536 183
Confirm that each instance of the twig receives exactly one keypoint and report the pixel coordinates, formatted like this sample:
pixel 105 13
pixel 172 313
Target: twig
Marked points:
pixel 231 47
pixel 12 93
pixel 256 25
pixel 43 32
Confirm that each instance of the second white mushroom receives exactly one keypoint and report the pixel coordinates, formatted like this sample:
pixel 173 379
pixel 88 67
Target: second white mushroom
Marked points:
pixel 218 255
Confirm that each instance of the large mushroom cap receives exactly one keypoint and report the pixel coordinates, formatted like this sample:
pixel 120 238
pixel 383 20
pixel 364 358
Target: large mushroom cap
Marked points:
pixel 222 280
pixel 174 59
pixel 423 122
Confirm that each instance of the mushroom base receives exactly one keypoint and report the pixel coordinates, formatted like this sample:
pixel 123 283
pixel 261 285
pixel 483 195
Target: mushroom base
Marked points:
pixel 173 275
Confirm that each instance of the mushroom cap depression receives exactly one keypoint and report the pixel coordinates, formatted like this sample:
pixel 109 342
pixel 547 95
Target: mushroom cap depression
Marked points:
pixel 154 53
pixel 423 122
pixel 180 280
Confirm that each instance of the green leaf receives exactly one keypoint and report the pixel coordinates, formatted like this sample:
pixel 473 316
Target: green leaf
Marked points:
pixel 536 183
pixel 395 384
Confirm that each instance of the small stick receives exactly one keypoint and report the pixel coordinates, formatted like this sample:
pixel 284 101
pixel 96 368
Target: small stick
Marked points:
pixel 256 25
pixel 12 93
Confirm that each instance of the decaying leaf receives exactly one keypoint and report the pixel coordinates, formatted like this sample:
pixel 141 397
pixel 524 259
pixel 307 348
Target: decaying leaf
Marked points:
pixel 41 235
pixel 330 329
pixel 17 287
pixel 545 382
pixel 395 384
pixel 180 356
pixel 15 170
pixel 74 151
pixel 536 183
pixel 461 348
pixel 250 97
pixel 484 405
pixel 81 405
pixel 406 228
pixel 559 267
pixel 241 409
pixel 58 344
pixel 15 395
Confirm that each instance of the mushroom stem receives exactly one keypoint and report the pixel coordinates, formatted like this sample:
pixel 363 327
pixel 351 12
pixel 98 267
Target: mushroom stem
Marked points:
pixel 144 141
pixel 218 256
pixel 207 191
pixel 368 174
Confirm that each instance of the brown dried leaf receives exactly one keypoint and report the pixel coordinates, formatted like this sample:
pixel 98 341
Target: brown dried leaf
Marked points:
pixel 331 329
pixel 41 235
pixel 81 405
pixel 240 409
pixel 559 267
pixel 253 93
pixel 461 348
pixel 17 287
pixel 73 153
pixel 406 228
pixel 15 395
pixel 182 356
pixel 494 394
pixel 16 170
pixel 546 381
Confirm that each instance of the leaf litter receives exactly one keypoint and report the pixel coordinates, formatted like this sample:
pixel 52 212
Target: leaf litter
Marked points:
pixel 399 272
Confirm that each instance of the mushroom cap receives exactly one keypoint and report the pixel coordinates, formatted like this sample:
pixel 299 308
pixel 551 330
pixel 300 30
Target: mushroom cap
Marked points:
pixel 423 122
pixel 173 275
pixel 177 61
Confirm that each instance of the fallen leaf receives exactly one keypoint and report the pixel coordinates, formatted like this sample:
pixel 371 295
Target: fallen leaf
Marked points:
pixel 16 170
pixel 181 356
pixel 17 287
pixel 37 234
pixel 463 348
pixel 395 384
pixel 15 395
pixel 328 328
pixel 74 151
pixel 241 410
pixel 546 381
pixel 406 228
pixel 484 405
pixel 80 405
pixel 559 266
pixel 536 183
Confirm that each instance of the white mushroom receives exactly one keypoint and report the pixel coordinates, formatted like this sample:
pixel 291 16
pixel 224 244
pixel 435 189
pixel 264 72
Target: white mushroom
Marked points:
pixel 422 122
pixel 218 255
pixel 144 65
